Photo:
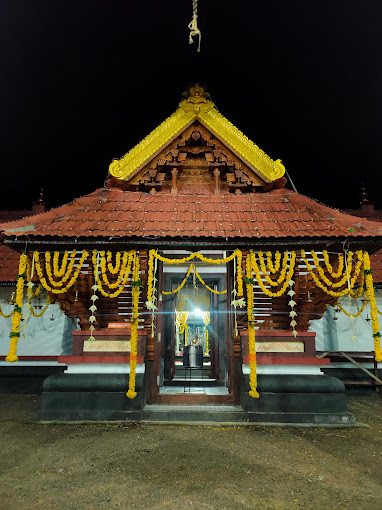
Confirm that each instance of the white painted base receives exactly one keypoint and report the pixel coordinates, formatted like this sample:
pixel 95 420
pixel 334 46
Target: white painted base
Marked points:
pixel 32 364
pixel 103 368
pixel 284 369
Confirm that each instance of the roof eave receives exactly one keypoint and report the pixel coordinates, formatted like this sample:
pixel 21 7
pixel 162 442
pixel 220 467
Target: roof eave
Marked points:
pixel 337 244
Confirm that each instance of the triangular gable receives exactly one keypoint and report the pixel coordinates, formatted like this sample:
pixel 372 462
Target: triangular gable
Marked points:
pixel 198 107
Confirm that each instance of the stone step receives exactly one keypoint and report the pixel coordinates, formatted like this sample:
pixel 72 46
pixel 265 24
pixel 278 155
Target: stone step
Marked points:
pixel 194 413
pixel 197 381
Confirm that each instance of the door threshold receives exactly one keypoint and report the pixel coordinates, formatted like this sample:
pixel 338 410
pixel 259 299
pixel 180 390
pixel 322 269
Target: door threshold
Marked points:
pixel 192 398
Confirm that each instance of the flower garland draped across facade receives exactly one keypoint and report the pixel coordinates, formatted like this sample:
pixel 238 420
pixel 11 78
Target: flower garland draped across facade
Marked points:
pixel 4 315
pixel 50 282
pixel 251 331
pixel 352 315
pixel 136 285
pixel 154 254
pixel 48 302
pixel 100 262
pixel 17 310
pixel 373 307
pixel 362 271
pixel 286 273
pixel 345 277
pixel 191 269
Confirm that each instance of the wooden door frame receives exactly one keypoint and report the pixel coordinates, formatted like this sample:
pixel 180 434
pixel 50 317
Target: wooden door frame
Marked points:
pixel 225 327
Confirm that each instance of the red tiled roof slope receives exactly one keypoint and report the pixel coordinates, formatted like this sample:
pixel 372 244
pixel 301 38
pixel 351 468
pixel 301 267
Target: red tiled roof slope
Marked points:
pixel 9 259
pixel 9 264
pixel 195 212
pixel 376 258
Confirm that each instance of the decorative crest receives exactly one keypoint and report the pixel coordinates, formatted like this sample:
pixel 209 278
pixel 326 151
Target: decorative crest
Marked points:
pixel 197 99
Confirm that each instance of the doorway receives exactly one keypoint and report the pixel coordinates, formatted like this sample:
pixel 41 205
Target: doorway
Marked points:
pixel 194 320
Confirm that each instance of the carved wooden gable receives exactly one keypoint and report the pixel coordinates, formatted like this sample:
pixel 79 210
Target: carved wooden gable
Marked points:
pixel 196 157
pixel 196 146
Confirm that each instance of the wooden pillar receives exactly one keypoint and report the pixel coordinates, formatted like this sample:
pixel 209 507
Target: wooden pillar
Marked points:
pixel 217 189
pixel 174 188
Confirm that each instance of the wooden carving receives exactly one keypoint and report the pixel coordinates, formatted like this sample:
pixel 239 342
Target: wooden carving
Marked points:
pixel 196 157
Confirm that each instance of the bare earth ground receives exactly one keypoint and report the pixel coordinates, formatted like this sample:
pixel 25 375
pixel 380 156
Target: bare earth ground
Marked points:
pixel 116 466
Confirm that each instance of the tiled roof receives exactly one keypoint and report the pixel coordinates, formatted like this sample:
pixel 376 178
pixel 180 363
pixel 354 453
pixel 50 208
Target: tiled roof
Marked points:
pixel 9 259
pixel 193 213
pixel 376 258
pixel 9 264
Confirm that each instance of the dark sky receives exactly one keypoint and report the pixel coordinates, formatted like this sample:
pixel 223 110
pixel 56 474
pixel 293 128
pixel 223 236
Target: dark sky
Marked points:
pixel 83 81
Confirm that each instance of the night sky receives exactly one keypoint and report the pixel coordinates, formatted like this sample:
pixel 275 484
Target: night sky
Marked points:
pixel 83 81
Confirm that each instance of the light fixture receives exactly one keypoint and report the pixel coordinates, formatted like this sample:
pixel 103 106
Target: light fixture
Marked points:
pixel 309 300
pixel 12 300
pixel 52 318
pixel 38 306
pixel 197 312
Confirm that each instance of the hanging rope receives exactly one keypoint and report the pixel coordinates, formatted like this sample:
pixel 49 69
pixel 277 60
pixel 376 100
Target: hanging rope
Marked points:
pixel 193 26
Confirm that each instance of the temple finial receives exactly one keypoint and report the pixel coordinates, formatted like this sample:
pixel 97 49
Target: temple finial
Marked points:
pixel 196 92
pixel 197 99
pixel 366 206
pixel 39 206
pixel 364 197
pixel 41 197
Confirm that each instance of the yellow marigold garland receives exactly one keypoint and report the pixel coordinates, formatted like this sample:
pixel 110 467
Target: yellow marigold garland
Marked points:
pixel 48 302
pixel 122 281
pixel 136 284
pixel 117 283
pixel 344 278
pixel 182 284
pixel 64 286
pixel 30 267
pixel 287 274
pixel 150 276
pixel 16 318
pixel 273 267
pixel 113 269
pixel 181 320
pixel 67 270
pixel 329 267
pixel 206 318
pixel 323 287
pixel 199 256
pixel 251 332
pixel 273 283
pixel 58 273
pixel 361 282
pixel 237 253
pixel 4 315
pixel 239 273
pixel 207 286
pixel 354 315
pixel 373 307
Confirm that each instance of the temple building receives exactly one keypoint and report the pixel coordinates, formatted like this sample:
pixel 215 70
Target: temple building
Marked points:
pixel 193 281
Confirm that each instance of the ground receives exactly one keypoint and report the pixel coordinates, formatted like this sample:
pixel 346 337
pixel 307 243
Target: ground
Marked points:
pixel 115 466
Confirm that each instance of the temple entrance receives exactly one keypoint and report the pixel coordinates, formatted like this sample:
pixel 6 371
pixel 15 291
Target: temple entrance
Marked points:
pixel 194 358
